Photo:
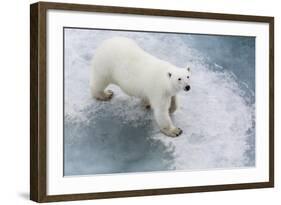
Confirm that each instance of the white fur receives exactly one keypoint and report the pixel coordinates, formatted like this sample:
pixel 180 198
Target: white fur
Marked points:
pixel 122 62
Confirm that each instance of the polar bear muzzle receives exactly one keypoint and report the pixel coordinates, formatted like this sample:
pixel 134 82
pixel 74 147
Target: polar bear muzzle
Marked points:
pixel 187 88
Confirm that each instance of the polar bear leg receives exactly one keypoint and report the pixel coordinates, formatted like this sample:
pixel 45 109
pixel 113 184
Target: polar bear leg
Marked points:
pixel 161 113
pixel 174 104
pixel 98 91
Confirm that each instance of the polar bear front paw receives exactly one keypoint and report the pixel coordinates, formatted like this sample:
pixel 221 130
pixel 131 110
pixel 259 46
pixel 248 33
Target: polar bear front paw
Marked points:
pixel 172 132
pixel 105 96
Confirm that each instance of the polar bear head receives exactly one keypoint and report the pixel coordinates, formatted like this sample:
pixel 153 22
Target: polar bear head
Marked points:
pixel 180 79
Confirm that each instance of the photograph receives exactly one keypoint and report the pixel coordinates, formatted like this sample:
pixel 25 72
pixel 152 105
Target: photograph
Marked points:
pixel 139 101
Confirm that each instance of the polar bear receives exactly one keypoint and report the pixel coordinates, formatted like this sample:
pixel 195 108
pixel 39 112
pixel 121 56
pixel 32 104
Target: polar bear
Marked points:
pixel 122 62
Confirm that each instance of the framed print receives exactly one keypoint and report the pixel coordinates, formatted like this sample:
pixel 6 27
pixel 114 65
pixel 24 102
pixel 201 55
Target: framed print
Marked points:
pixel 134 102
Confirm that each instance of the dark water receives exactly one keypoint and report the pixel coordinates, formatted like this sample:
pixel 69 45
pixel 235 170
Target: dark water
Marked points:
pixel 235 54
pixel 217 116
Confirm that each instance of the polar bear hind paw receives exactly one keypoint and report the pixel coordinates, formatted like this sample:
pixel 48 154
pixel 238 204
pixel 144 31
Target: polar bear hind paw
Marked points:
pixel 172 109
pixel 172 132
pixel 105 96
pixel 145 104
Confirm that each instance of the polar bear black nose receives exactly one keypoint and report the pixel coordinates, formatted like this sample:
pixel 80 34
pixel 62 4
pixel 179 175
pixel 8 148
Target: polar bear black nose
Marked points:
pixel 187 88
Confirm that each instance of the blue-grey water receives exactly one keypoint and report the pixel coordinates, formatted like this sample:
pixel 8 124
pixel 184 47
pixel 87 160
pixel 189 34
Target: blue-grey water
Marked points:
pixel 119 136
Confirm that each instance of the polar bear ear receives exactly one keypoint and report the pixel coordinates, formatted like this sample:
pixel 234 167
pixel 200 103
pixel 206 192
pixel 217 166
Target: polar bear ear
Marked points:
pixel 188 69
pixel 169 74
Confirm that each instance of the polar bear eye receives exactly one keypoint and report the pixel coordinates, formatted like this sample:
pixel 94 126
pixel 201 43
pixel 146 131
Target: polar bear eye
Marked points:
pixel 187 76
pixel 179 79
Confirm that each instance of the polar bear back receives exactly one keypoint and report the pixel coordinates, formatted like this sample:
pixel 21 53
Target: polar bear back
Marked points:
pixel 121 61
